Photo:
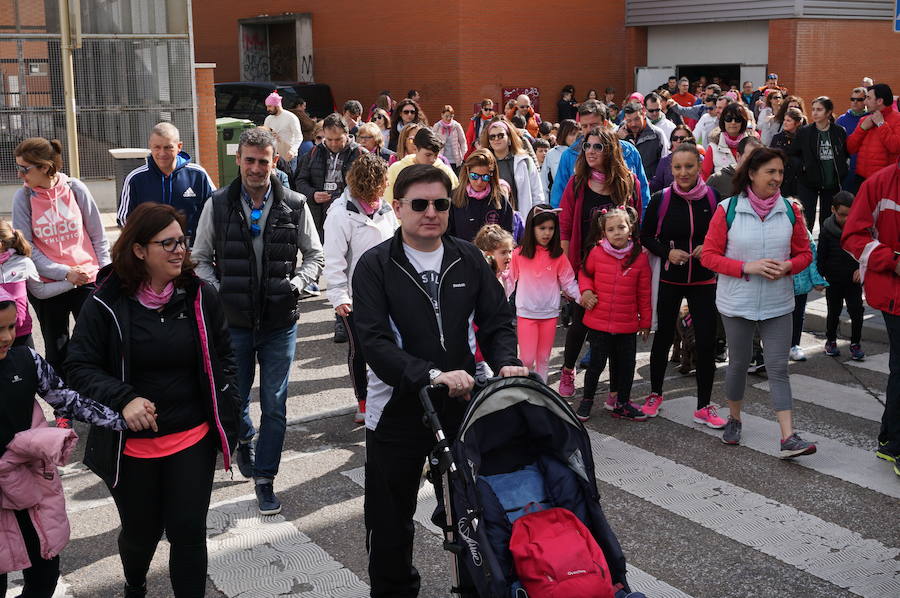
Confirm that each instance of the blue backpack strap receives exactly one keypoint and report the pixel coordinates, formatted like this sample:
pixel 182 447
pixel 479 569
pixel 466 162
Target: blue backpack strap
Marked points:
pixel 663 208
pixel 791 214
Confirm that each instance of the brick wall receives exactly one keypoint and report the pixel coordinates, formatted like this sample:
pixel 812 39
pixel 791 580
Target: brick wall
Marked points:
pixel 453 53
pixel 830 57
pixel 207 150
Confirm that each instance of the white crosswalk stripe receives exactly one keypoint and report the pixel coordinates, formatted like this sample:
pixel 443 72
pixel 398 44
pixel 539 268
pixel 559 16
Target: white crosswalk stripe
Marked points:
pixel 846 399
pixel 876 363
pixel 833 458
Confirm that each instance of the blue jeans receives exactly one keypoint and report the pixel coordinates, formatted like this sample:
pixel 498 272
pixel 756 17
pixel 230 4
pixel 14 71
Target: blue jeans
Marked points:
pixel 275 352
pixel 890 421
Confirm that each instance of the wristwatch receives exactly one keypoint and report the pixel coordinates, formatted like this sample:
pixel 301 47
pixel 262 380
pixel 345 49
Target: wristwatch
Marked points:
pixel 433 373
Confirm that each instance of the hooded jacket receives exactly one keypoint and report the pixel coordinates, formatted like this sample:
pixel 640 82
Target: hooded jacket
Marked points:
pixel 872 235
pixel 835 263
pixel 185 189
pixel 99 365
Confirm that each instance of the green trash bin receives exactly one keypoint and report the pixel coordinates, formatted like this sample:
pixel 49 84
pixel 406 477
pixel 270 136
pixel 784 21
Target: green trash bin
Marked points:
pixel 228 132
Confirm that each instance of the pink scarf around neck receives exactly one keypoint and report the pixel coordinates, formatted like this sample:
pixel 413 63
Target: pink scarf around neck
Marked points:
pixel 699 190
pixel 478 194
pixel 598 176
pixel 446 127
pixel 619 254
pixel 732 142
pixel 150 299
pixel 369 208
pixel 5 255
pixel 762 206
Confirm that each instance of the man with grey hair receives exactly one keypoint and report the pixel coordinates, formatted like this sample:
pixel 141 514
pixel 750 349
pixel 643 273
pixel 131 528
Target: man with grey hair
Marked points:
pixel 168 177
pixel 255 235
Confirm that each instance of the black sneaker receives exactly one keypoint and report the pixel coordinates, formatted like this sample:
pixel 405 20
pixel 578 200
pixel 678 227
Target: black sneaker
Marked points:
pixel 266 500
pixel 889 452
pixel 721 352
pixel 584 409
pixel 732 432
pixel 340 331
pixel 794 446
pixel 244 456
pixel 135 591
pixel 629 411
pixel 757 365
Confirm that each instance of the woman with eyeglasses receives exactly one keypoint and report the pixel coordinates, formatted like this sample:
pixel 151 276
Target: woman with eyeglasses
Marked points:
pixel 821 148
pixel 152 343
pixel 58 216
pixel 515 165
pixel 663 176
pixel 723 141
pixel 382 120
pixel 765 120
pixel 453 136
pixel 357 221
pixel 369 136
pixel 601 180
pixel 566 136
pixel 793 119
pixel 481 198
pixel 405 112
pixel 478 120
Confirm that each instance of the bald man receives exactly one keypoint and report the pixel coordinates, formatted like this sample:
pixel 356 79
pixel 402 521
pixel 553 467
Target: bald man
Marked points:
pixel 524 109
pixel 168 177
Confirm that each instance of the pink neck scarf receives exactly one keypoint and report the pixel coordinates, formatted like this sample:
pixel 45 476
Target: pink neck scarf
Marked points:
pixel 446 127
pixel 5 255
pixel 369 208
pixel 762 206
pixel 150 299
pixel 732 142
pixel 619 254
pixel 598 176
pixel 478 194
pixel 699 190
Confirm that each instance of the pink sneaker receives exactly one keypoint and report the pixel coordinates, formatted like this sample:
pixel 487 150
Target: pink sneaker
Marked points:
pixel 612 399
pixel 709 415
pixel 567 383
pixel 652 405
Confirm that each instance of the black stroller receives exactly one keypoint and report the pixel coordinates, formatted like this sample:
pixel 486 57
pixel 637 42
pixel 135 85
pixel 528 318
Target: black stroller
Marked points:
pixel 510 423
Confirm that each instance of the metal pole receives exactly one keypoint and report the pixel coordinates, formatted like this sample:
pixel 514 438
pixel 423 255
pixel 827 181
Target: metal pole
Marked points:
pixel 68 72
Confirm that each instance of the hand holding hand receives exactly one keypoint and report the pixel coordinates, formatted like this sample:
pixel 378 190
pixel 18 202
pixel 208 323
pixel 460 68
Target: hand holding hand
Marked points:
pixel 588 300
pixel 856 275
pixel 140 414
pixel 459 383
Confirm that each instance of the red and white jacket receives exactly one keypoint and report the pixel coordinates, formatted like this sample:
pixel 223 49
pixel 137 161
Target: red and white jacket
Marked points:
pixel 872 236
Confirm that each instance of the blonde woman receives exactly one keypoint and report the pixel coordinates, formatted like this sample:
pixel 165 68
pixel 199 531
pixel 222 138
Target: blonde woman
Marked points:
pixel 480 198
pixel 515 166
pixel 370 137
pixel 405 145
pixel 453 136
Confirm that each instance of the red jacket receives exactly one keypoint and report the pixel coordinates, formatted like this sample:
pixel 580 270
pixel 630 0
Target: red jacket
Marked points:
pixel 879 146
pixel 623 293
pixel 532 123
pixel 877 207
pixel 472 134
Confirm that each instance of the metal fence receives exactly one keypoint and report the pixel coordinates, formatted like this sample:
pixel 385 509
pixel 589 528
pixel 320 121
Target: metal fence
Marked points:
pixel 130 73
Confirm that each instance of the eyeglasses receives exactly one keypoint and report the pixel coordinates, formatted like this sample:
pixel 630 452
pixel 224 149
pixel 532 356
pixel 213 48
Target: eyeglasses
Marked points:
pixel 733 119
pixel 680 138
pixel 24 169
pixel 255 215
pixel 364 137
pixel 652 110
pixel 171 244
pixel 474 176
pixel 597 147
pixel 408 112
pixel 496 136
pixel 857 99
pixel 420 205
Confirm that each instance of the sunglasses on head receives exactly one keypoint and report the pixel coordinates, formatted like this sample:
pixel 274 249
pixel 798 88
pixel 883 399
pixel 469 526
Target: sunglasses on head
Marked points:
pixel 495 136
pixel 597 147
pixel 420 205
pixel 484 177
pixel 171 244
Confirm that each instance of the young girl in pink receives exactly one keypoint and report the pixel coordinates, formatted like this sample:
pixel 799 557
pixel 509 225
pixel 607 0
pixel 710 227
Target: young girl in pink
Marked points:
pixel 615 282
pixel 497 245
pixel 542 270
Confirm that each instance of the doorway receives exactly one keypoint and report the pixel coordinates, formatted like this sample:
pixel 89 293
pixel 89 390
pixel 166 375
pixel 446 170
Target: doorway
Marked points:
pixel 725 75
pixel 276 48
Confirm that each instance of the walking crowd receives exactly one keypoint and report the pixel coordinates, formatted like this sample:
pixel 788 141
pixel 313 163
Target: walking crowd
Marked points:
pixel 450 253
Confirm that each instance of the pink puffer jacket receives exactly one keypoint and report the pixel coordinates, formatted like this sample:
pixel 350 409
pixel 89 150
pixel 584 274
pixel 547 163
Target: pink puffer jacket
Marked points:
pixel 29 481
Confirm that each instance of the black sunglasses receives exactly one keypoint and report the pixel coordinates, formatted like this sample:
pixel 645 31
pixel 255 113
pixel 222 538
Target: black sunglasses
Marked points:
pixel 733 119
pixel 597 147
pixel 408 112
pixel 420 205
pixel 488 109
pixel 652 110
pixel 171 244
pixel 494 136
pixel 484 177
pixel 680 138
pixel 857 99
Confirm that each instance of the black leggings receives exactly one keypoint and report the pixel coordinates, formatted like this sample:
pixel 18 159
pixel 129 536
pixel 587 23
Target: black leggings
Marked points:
pixel 53 314
pixel 41 577
pixel 172 494
pixel 356 363
pixel 835 296
pixel 702 304
pixel 575 336
pixel 622 348
pixel 815 198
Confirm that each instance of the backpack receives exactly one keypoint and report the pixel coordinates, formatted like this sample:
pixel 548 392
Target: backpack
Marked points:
pixel 556 556
pixel 732 208
pixel 667 198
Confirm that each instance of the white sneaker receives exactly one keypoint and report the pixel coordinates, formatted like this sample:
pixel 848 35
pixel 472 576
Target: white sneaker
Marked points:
pixel 797 354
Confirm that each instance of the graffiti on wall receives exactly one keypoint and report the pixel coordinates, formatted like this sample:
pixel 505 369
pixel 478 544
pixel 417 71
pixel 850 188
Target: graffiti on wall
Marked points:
pixel 511 93
pixel 254 53
pixel 306 69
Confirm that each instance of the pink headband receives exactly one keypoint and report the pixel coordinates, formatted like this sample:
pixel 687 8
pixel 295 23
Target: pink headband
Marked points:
pixel 540 210
pixel 273 99
pixel 732 95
